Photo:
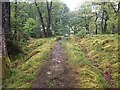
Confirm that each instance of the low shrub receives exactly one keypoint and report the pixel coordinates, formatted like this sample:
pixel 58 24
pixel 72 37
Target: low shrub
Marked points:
pixel 58 38
pixel 81 34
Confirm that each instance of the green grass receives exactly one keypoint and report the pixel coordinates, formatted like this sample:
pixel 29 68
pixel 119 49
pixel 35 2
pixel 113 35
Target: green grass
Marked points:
pixel 89 76
pixel 25 73
pixel 104 50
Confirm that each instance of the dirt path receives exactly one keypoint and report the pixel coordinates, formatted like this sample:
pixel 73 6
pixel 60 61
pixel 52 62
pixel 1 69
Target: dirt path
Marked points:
pixel 56 73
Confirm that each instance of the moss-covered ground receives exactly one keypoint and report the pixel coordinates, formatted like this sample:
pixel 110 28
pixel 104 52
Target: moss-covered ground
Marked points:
pixel 25 68
pixel 104 50
pixel 95 58
pixel 88 75
pixel 93 61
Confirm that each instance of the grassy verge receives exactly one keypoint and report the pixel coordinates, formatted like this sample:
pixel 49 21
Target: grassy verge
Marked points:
pixel 28 51
pixel 89 76
pixel 104 51
pixel 24 73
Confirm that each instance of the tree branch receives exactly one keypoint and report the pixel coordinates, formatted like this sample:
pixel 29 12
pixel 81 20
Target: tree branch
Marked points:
pixel 113 7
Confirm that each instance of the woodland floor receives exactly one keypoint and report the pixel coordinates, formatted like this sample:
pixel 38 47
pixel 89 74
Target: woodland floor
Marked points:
pixel 56 73
pixel 91 62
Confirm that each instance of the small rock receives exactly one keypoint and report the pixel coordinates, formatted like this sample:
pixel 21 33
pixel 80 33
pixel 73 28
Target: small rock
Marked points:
pixel 63 85
pixel 53 59
pixel 49 73
pixel 59 61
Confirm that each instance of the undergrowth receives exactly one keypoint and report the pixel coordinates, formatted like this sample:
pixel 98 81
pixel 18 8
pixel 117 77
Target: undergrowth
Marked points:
pixel 89 76
pixel 25 72
pixel 104 51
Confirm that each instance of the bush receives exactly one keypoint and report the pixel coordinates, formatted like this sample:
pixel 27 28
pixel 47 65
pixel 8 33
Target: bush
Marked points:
pixel 30 26
pixel 81 34
pixel 13 46
pixel 58 38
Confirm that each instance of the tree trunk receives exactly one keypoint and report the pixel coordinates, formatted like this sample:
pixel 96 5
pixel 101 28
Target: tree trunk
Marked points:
pixel 96 23
pixel 15 16
pixel 15 9
pixel 87 24
pixel 105 26
pixel 49 8
pixel 1 44
pixel 117 12
pixel 6 16
pixel 41 19
pixel 4 26
pixel 87 28
pixel 106 19
pixel 113 29
pixel 102 22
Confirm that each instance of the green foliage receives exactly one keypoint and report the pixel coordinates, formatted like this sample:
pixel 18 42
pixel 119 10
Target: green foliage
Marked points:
pixel 58 38
pixel 29 26
pixel 89 75
pixel 60 18
pixel 13 46
pixel 81 33
pixel 104 50
pixel 24 73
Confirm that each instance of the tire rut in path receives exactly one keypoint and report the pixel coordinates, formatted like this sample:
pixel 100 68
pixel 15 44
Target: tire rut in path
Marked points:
pixel 56 73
